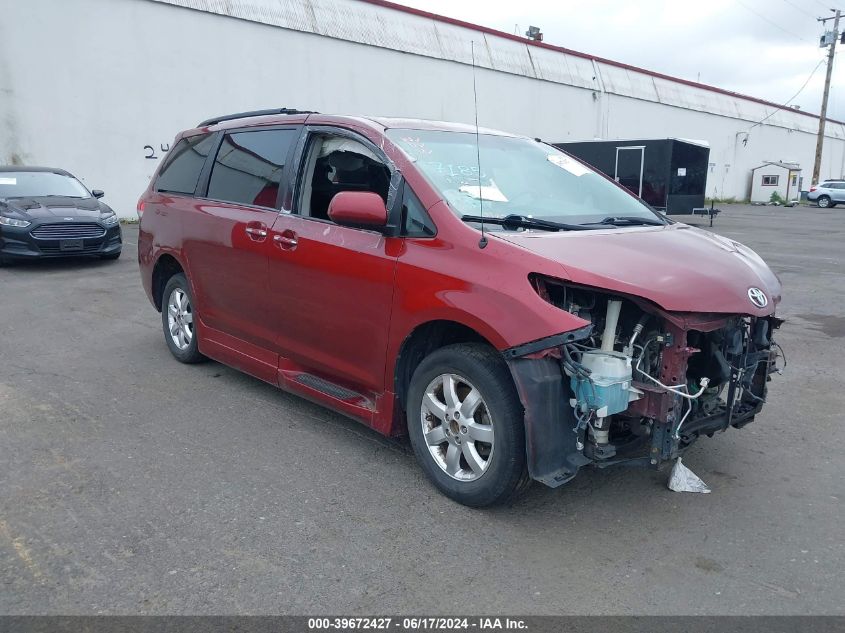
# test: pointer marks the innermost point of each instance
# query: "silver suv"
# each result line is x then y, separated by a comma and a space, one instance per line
828, 194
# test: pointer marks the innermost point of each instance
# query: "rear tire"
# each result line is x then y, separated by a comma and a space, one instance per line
824, 202
465, 423
178, 320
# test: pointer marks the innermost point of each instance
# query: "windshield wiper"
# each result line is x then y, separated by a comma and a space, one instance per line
627, 220
513, 222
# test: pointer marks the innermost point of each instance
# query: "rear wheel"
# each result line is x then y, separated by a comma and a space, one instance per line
465, 424
824, 202
178, 320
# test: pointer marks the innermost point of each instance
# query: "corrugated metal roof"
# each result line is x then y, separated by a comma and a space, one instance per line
388, 25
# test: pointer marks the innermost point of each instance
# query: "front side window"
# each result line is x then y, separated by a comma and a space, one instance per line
514, 176
335, 164
32, 184
185, 161
249, 167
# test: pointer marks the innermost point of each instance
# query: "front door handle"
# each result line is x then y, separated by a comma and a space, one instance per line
256, 231
286, 240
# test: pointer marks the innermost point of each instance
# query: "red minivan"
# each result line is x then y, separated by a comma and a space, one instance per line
515, 313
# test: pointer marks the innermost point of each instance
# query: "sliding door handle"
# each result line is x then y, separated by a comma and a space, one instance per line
286, 240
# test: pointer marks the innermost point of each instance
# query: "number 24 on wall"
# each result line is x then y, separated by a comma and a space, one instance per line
151, 151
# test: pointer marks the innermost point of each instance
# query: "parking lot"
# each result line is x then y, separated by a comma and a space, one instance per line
134, 484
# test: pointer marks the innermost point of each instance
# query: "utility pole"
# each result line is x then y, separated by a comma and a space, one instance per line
817, 165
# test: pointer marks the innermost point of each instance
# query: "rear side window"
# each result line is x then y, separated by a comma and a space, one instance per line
185, 161
249, 167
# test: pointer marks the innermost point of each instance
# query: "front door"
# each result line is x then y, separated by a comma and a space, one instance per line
629, 168
333, 285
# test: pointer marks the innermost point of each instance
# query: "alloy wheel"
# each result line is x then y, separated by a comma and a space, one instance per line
180, 319
457, 427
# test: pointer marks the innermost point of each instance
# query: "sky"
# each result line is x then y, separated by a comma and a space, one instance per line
762, 48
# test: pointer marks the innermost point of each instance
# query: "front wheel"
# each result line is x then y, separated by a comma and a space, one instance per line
823, 202
178, 320
465, 423
111, 256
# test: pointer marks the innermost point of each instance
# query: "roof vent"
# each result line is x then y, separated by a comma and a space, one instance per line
534, 33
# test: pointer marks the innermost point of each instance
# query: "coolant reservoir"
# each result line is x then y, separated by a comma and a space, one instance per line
609, 392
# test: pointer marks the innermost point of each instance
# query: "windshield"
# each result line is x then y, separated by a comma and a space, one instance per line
518, 177
31, 184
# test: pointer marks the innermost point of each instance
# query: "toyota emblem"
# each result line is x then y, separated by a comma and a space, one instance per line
758, 297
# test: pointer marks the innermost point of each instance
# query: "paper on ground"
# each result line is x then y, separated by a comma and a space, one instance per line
682, 479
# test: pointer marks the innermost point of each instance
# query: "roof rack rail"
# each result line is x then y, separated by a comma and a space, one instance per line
244, 115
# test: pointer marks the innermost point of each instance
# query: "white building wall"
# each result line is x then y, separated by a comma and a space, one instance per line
87, 84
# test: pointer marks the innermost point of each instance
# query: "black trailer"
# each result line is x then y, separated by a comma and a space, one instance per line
668, 173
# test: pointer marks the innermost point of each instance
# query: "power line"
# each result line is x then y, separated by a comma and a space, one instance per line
796, 7
788, 101
765, 19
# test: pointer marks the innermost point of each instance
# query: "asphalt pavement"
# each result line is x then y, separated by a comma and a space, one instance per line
132, 484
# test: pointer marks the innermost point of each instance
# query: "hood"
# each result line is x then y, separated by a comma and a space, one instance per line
38, 208
678, 267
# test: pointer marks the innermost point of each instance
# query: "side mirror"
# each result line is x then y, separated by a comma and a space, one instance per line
358, 208
98, 193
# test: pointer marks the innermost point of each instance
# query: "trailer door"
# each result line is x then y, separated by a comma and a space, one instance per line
629, 168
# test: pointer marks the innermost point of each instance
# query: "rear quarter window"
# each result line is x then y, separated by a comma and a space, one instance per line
181, 172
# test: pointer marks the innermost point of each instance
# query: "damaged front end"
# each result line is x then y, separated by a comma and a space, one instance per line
637, 385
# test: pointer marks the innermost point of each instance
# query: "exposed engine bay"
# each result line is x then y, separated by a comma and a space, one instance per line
644, 384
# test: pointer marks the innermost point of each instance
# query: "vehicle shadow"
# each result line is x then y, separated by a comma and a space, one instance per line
621, 488
595, 495
55, 264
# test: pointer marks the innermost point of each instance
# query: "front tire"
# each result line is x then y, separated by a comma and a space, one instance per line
465, 423
178, 320
111, 256
824, 202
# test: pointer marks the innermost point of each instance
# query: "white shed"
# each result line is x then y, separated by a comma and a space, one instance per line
776, 177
